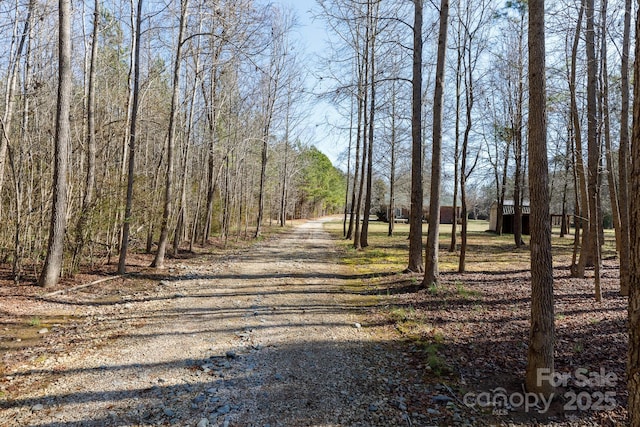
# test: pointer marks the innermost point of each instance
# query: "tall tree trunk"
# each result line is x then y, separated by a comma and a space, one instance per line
16, 164
55, 251
118, 219
469, 98
158, 261
263, 179
517, 188
542, 333
181, 226
593, 148
372, 18
212, 121
355, 214
432, 246
503, 190
604, 95
633, 358
623, 155
348, 183
285, 168
582, 210
272, 94
357, 244
517, 130
124, 245
456, 150
283, 193
417, 197
182, 209
9, 97
392, 167
89, 186
564, 224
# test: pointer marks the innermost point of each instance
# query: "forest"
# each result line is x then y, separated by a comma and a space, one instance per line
181, 128
162, 126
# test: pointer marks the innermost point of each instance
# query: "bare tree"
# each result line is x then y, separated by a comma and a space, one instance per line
460, 54
16, 153
10, 91
348, 186
623, 154
135, 58
542, 333
633, 358
417, 198
158, 261
605, 118
517, 129
372, 23
362, 133
181, 224
432, 246
593, 148
272, 91
582, 205
53, 262
89, 188
392, 163
471, 46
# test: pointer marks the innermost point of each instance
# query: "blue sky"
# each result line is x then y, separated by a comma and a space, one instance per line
313, 36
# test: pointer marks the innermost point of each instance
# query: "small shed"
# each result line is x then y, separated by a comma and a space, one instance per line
401, 214
508, 216
447, 215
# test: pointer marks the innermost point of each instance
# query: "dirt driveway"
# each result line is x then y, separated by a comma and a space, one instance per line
269, 336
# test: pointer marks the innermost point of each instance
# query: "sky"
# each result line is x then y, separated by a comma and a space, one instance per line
313, 36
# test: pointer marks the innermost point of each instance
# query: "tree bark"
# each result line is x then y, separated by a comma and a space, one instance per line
365, 129
613, 191
372, 23
348, 180
633, 358
89, 187
158, 261
355, 213
593, 148
469, 101
417, 198
456, 150
182, 209
623, 155
9, 97
16, 164
431, 252
124, 245
53, 262
517, 130
582, 210
392, 167
542, 330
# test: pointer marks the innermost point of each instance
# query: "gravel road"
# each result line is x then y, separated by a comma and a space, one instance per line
271, 336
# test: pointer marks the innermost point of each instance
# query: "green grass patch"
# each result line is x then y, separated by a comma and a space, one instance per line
486, 251
402, 314
436, 363
466, 293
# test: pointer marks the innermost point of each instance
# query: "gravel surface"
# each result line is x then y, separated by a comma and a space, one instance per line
271, 336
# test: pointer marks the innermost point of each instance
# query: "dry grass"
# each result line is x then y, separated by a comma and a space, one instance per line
470, 332
486, 251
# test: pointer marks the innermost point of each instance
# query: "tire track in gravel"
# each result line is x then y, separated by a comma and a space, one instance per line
270, 337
